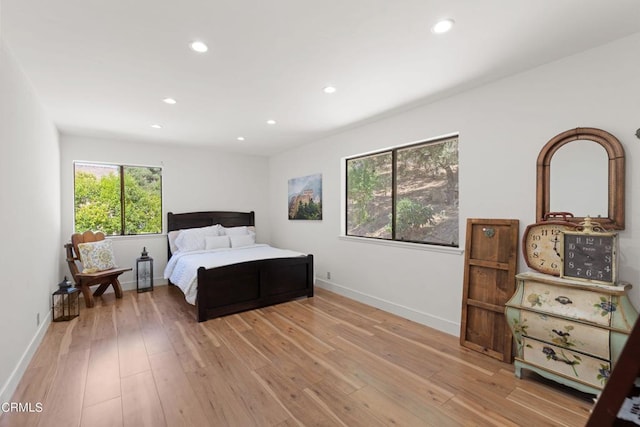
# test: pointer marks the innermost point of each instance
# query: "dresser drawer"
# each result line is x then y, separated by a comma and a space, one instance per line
579, 367
568, 302
566, 333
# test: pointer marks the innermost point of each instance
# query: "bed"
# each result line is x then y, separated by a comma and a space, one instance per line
277, 276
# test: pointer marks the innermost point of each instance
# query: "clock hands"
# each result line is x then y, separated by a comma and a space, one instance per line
583, 252
555, 241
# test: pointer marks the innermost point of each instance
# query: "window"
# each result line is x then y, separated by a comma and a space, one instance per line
407, 193
117, 199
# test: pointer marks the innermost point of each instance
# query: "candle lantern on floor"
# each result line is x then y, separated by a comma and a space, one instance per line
64, 302
144, 272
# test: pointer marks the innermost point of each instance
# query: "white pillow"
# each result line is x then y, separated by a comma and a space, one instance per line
238, 231
216, 242
235, 231
172, 236
193, 239
242, 240
96, 256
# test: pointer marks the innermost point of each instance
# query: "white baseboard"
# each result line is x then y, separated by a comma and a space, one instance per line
8, 388
131, 286
444, 325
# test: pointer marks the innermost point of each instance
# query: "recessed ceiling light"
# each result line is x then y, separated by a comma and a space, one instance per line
169, 101
199, 46
156, 126
271, 122
329, 89
442, 26
240, 138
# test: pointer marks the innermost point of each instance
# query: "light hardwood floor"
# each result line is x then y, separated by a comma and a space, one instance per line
144, 361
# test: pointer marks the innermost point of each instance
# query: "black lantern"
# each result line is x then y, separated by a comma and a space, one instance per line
64, 302
144, 272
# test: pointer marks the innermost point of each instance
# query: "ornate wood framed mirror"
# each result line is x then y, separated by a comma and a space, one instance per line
595, 182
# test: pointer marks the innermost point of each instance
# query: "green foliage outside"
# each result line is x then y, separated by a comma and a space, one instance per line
98, 204
432, 157
446, 154
362, 181
143, 200
410, 215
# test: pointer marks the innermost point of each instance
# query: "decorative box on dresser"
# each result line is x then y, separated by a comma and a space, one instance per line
567, 330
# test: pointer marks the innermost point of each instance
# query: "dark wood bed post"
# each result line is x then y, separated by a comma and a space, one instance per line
310, 275
201, 309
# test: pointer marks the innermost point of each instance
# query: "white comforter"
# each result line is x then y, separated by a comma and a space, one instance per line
182, 268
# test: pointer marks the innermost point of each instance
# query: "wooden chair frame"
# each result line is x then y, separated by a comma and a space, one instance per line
84, 281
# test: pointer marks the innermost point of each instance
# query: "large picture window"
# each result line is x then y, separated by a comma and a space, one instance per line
117, 199
407, 193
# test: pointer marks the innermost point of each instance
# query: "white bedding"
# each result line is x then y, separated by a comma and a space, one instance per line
182, 268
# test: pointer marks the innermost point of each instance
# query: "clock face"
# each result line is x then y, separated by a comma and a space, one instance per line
543, 246
590, 256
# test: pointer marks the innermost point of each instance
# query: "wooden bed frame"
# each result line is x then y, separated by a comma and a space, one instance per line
248, 285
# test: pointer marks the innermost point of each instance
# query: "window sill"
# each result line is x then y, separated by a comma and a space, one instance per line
405, 245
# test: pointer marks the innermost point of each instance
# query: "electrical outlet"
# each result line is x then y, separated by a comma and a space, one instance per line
37, 319
328, 275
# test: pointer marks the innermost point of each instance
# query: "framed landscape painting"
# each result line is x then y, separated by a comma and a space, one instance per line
305, 197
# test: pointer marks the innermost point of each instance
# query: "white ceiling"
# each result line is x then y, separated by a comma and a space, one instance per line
102, 67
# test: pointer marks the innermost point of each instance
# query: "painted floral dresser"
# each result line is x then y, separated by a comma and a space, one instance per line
567, 330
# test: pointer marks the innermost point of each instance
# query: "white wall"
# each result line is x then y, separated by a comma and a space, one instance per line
30, 215
193, 179
502, 128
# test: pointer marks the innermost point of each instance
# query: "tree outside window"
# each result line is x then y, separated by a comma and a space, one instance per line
407, 193
117, 199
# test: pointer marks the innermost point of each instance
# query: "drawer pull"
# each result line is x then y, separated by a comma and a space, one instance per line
560, 333
564, 300
552, 355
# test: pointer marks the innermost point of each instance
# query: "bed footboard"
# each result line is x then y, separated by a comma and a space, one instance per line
254, 284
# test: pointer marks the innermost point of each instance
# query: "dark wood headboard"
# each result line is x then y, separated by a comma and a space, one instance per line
181, 221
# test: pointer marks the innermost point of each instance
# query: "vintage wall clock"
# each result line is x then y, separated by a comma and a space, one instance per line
542, 244
590, 253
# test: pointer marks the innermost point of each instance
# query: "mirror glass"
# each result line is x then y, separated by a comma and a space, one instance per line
579, 179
